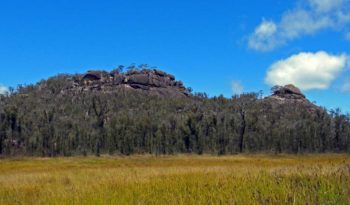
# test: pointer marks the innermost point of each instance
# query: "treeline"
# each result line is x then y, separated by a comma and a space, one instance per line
38, 120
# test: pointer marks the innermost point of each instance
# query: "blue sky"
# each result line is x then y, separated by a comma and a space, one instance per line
218, 47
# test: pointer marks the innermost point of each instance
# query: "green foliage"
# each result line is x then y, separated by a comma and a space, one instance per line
43, 120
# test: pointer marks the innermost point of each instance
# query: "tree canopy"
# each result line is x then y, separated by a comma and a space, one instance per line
40, 120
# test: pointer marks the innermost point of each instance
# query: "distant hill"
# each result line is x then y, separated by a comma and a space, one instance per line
148, 111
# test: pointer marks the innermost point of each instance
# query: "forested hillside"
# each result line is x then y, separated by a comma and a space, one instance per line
147, 111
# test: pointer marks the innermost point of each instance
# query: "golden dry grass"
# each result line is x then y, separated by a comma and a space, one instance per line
242, 179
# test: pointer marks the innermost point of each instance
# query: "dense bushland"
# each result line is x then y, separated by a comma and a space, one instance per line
40, 120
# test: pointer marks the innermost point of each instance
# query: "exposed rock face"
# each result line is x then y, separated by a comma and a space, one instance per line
288, 91
289, 96
146, 80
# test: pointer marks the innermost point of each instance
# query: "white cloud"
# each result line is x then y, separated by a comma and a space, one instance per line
343, 18
267, 28
326, 5
312, 17
263, 38
3, 90
347, 36
237, 87
346, 87
307, 70
301, 22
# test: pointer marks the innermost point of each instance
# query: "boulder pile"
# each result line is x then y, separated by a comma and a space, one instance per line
288, 91
290, 96
147, 80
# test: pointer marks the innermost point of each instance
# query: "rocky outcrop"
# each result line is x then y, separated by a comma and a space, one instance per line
289, 96
288, 91
151, 81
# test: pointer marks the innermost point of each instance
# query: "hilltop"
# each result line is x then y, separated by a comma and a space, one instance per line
149, 111
151, 81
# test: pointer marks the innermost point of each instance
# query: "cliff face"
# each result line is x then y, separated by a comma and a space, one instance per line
147, 81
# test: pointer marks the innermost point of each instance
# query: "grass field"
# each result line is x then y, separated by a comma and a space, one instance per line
241, 179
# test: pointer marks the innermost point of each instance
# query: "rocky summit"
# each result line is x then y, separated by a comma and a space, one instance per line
155, 82
289, 95
287, 92
151, 81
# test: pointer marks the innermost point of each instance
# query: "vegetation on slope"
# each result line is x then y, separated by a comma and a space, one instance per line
41, 120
